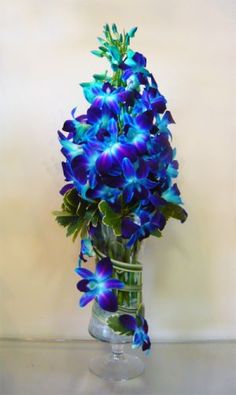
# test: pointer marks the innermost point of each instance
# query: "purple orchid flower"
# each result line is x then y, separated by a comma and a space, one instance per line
99, 285
139, 326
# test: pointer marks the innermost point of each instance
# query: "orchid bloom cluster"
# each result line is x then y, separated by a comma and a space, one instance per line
119, 168
119, 151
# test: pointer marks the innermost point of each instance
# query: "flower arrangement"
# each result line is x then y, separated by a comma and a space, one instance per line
119, 169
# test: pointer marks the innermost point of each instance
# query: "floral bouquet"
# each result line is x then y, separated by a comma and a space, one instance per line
119, 169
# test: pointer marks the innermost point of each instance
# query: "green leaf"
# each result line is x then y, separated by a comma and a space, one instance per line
110, 217
171, 210
76, 214
84, 231
72, 198
115, 324
141, 310
156, 233
66, 220
75, 235
139, 321
95, 219
62, 214
75, 225
80, 212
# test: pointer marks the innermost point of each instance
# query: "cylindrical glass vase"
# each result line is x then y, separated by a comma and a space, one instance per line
128, 269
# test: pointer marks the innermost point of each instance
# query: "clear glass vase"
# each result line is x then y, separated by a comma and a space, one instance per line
117, 366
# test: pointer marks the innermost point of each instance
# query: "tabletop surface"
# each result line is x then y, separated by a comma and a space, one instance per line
61, 367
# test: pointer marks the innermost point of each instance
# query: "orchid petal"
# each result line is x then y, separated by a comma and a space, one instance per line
128, 168
104, 269
66, 188
145, 120
113, 283
128, 193
128, 228
82, 285
146, 345
128, 321
172, 195
143, 169
86, 298
137, 339
108, 301
84, 273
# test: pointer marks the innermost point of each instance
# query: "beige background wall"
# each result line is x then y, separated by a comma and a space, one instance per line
189, 275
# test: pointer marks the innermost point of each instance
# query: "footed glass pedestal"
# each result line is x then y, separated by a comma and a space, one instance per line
116, 366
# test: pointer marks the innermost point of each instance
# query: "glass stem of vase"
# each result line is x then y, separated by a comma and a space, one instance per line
117, 351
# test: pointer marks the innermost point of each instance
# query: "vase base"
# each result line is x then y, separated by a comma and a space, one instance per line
116, 366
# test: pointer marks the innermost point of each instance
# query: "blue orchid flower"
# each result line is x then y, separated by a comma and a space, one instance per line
132, 82
99, 118
84, 166
142, 225
153, 100
86, 249
113, 151
136, 182
135, 63
138, 130
139, 327
69, 149
163, 122
103, 192
99, 285
91, 89
77, 127
160, 154
172, 195
73, 181
172, 168
103, 96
